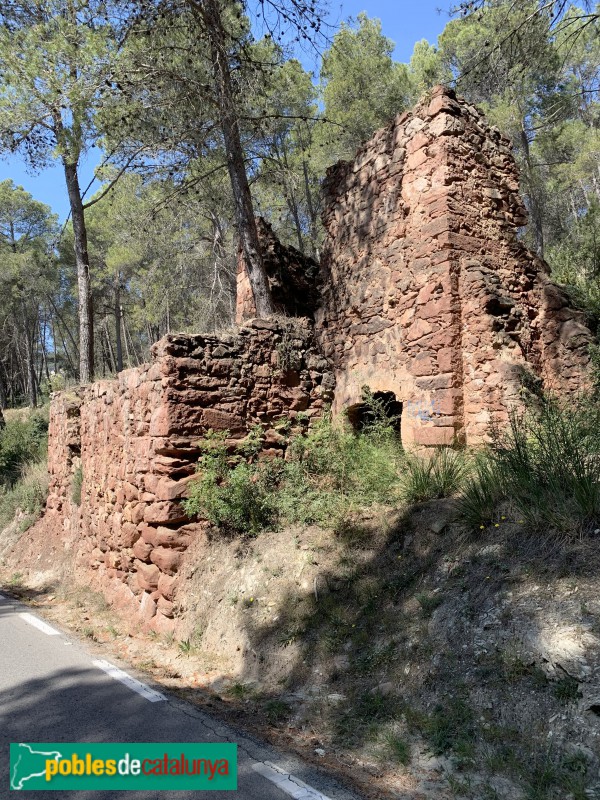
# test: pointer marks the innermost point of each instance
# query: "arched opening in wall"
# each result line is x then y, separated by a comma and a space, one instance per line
377, 407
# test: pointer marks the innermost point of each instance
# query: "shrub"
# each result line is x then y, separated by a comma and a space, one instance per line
329, 470
27, 495
549, 465
22, 441
546, 464
450, 726
481, 492
363, 466
230, 493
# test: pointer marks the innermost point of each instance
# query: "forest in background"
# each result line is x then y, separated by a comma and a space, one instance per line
185, 106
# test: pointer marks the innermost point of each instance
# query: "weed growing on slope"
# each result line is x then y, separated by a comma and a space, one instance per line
439, 474
546, 465
27, 495
22, 442
330, 470
23, 472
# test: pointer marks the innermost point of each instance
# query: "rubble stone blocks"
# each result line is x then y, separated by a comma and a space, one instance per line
425, 291
293, 278
136, 441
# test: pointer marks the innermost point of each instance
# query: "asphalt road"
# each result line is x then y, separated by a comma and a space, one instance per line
52, 690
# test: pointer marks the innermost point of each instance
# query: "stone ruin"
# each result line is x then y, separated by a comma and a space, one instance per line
425, 294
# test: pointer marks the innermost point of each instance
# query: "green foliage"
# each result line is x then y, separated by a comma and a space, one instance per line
439, 474
535, 74
27, 495
567, 690
276, 711
548, 463
480, 495
575, 260
398, 749
23, 470
329, 471
363, 88
426, 69
450, 726
29, 276
186, 647
429, 602
22, 441
545, 464
594, 352
230, 493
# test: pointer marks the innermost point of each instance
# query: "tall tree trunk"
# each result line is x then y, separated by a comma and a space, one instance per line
26, 337
29, 356
209, 12
311, 212
86, 317
2, 390
113, 363
291, 200
118, 316
124, 334
534, 206
43, 334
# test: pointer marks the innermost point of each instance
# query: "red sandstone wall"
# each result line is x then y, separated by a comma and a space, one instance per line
138, 439
293, 278
427, 291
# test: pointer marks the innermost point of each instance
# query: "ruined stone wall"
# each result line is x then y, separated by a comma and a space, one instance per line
136, 441
293, 278
427, 291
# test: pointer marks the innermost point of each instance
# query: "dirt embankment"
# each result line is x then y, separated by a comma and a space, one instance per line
418, 661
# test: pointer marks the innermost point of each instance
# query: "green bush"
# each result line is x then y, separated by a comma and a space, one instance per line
27, 495
546, 464
362, 466
481, 492
230, 493
329, 471
21, 442
549, 464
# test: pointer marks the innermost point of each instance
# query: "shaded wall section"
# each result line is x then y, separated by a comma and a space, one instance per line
427, 291
293, 278
135, 440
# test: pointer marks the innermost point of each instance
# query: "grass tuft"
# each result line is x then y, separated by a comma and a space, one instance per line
434, 475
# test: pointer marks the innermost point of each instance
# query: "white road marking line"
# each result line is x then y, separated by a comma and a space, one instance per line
289, 784
137, 686
40, 624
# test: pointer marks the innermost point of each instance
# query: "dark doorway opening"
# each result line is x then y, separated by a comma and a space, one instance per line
378, 407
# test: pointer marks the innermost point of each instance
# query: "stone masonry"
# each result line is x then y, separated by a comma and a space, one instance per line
427, 291
136, 442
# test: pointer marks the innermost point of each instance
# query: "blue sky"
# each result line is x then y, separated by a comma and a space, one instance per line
403, 21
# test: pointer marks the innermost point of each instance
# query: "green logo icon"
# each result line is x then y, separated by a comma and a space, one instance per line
152, 766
